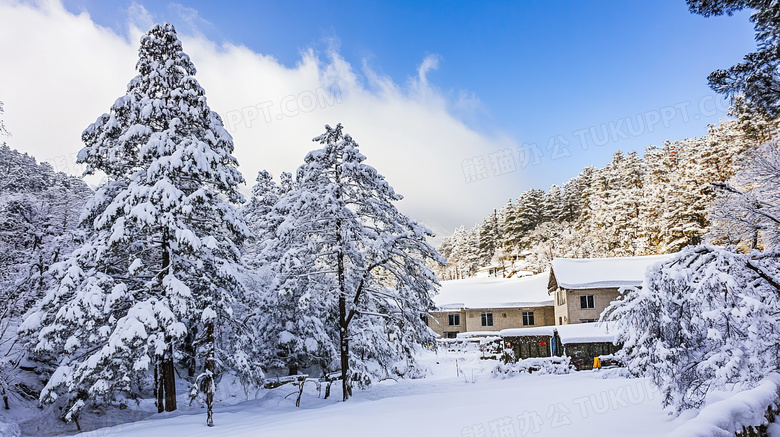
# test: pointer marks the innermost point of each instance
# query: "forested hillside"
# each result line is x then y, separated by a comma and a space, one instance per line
656, 203
39, 214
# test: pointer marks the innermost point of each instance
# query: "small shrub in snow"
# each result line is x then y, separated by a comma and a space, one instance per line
541, 366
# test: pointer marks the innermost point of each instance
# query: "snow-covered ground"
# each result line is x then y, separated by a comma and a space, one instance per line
473, 403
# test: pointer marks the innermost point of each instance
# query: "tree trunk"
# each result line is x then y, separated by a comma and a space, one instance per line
191, 351
210, 368
344, 348
343, 333
167, 371
159, 388
169, 378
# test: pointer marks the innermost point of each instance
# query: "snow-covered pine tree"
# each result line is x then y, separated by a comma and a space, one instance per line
489, 238
552, 204
365, 256
756, 77
296, 317
530, 213
614, 205
461, 253
265, 194
702, 321
570, 201
164, 254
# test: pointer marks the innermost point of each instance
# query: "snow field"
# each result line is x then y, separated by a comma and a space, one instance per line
471, 403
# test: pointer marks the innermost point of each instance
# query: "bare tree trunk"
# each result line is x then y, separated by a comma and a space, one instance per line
210, 368
190, 351
169, 378
343, 323
159, 388
167, 371
344, 349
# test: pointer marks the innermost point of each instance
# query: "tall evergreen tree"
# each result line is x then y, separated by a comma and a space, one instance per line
368, 260
163, 259
489, 237
552, 204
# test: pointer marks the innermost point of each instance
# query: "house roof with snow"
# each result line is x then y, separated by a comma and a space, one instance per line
542, 331
586, 332
579, 274
594, 332
477, 334
472, 293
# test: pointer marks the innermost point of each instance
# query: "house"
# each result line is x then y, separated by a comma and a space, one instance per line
583, 288
581, 342
585, 341
491, 304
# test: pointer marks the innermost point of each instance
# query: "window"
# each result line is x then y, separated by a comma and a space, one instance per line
487, 319
561, 297
560, 320
451, 334
586, 302
454, 319
528, 318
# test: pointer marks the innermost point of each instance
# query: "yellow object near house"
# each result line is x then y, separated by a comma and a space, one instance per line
596, 363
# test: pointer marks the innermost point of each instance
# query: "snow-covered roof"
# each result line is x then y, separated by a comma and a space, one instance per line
520, 332
529, 291
575, 333
577, 274
474, 334
586, 333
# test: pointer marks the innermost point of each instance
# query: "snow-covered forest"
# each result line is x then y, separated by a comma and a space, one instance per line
161, 300
166, 275
657, 203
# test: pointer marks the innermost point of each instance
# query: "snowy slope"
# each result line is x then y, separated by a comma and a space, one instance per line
530, 291
576, 274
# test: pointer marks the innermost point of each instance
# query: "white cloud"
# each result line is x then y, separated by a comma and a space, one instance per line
61, 71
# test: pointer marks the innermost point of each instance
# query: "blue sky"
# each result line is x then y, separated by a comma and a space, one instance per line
538, 69
430, 79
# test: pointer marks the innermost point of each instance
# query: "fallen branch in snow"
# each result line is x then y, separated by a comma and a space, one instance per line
280, 381
300, 381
